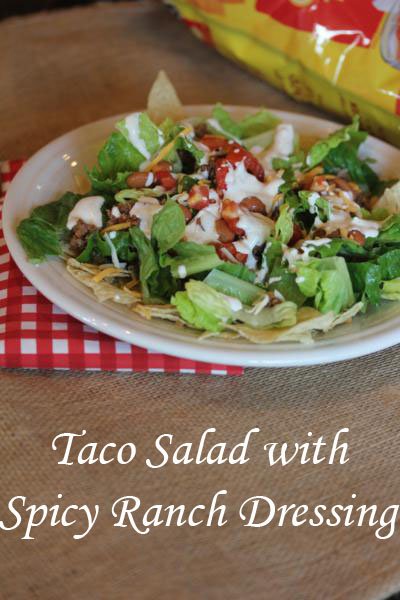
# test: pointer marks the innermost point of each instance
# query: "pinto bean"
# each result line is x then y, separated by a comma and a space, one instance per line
163, 165
137, 179
225, 234
357, 236
253, 204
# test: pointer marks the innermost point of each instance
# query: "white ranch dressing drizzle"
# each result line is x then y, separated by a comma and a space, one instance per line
87, 210
317, 242
234, 303
240, 184
132, 123
202, 228
145, 209
283, 144
256, 230
366, 227
312, 203
182, 272
341, 219
114, 255
115, 212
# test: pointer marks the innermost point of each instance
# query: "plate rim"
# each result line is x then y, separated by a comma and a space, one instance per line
374, 338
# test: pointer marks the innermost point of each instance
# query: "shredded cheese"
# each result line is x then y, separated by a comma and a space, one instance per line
116, 227
131, 284
109, 272
167, 149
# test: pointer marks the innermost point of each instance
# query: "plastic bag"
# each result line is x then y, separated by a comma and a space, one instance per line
340, 55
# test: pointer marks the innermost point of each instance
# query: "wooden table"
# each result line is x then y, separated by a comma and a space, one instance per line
67, 68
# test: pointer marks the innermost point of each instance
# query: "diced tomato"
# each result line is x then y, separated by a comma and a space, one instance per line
230, 209
232, 250
241, 257
166, 179
235, 153
199, 197
221, 171
230, 214
215, 142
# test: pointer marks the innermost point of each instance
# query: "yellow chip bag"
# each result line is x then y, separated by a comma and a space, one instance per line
341, 55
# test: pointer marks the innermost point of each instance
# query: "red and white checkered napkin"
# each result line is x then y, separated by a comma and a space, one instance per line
34, 333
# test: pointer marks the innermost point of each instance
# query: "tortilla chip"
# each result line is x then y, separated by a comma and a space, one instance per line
258, 336
163, 100
309, 320
347, 315
158, 311
102, 290
226, 335
302, 331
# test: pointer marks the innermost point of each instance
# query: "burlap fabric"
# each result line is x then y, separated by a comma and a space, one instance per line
61, 70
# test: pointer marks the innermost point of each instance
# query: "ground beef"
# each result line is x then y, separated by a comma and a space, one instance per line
200, 130
124, 209
79, 236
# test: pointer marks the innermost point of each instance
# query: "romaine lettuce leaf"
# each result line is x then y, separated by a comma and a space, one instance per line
167, 127
192, 258
389, 264
39, 239
118, 155
56, 213
284, 224
258, 123
283, 280
149, 268
168, 226
343, 156
331, 283
97, 247
223, 282
116, 160
183, 143
273, 254
140, 131
261, 140
315, 204
226, 122
366, 278
107, 185
339, 247
285, 163
194, 315
320, 150
307, 279
250, 126
133, 194
42, 233
390, 230
203, 307
238, 270
391, 289
280, 315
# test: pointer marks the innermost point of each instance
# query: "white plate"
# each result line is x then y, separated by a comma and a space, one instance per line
53, 170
